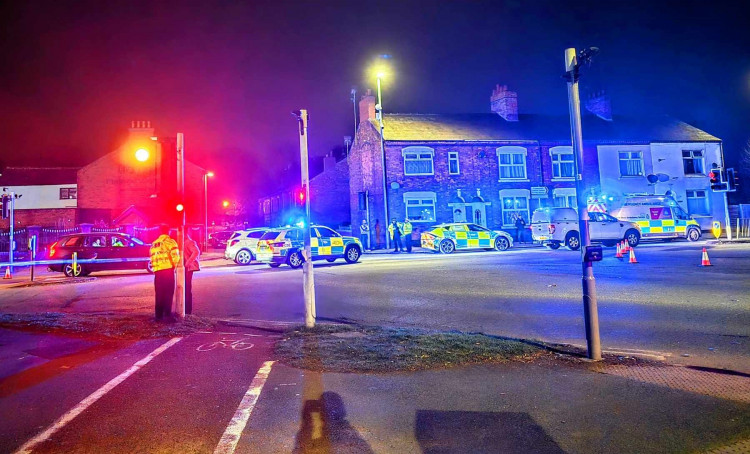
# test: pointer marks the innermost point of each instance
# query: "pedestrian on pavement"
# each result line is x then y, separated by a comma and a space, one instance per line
520, 227
165, 255
378, 233
192, 253
364, 234
407, 228
394, 230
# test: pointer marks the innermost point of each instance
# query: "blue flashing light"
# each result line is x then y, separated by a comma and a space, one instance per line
300, 224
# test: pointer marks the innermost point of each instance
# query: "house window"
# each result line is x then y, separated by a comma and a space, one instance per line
564, 197
68, 193
418, 160
420, 206
453, 168
692, 161
512, 163
697, 202
631, 163
563, 163
514, 202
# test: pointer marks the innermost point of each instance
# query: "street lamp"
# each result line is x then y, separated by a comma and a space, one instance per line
142, 155
380, 72
205, 209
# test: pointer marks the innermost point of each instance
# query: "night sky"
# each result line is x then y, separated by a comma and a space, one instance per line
227, 74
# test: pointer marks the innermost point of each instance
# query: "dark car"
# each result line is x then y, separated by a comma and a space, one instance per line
99, 252
219, 239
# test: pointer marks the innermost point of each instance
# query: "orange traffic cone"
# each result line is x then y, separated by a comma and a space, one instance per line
625, 247
632, 256
619, 251
704, 259
7, 274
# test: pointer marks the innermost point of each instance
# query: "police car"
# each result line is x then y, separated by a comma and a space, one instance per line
285, 245
242, 246
446, 238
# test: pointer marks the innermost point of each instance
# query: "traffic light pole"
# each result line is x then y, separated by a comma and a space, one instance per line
308, 280
11, 249
590, 310
180, 269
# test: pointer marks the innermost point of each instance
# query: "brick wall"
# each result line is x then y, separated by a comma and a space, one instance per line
56, 217
329, 196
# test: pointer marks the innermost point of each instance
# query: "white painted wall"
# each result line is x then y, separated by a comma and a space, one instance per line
42, 196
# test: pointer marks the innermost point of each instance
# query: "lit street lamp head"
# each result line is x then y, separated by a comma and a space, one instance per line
209, 174
142, 155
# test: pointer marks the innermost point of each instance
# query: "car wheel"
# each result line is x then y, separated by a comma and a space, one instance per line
149, 267
553, 246
274, 265
693, 234
447, 247
71, 271
632, 237
243, 257
502, 243
330, 260
295, 259
572, 241
352, 254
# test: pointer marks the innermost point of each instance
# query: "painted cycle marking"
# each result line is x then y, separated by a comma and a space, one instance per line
234, 344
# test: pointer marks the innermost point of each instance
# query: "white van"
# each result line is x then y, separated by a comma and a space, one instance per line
659, 217
556, 226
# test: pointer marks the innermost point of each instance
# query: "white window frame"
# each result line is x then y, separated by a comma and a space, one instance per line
515, 194
416, 154
453, 156
65, 193
628, 159
511, 150
555, 153
566, 194
425, 199
702, 159
688, 197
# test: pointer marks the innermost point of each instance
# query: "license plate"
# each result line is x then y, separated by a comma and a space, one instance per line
542, 238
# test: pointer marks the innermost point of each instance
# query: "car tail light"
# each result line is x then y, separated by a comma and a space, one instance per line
551, 228
52, 249
233, 242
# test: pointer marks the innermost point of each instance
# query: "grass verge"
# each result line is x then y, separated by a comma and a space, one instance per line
343, 348
106, 325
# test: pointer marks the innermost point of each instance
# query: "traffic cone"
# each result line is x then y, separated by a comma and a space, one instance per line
7, 274
625, 247
619, 251
704, 259
632, 256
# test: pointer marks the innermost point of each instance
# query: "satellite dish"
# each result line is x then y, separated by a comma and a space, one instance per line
663, 177
652, 178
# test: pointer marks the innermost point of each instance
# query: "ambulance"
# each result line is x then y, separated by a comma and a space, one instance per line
658, 217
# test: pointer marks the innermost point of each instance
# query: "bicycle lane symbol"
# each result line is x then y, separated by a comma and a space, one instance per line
233, 341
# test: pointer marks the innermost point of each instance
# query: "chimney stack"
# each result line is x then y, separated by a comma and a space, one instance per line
504, 103
367, 107
598, 103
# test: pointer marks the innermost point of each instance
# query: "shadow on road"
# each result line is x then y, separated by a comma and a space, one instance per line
448, 432
325, 429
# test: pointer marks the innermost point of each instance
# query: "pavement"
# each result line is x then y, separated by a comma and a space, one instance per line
200, 394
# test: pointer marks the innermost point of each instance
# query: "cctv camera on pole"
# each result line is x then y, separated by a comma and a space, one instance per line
307, 267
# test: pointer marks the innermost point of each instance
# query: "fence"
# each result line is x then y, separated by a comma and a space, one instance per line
743, 228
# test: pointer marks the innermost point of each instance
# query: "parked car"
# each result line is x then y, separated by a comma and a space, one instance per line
284, 246
554, 227
99, 252
242, 246
447, 238
659, 217
219, 240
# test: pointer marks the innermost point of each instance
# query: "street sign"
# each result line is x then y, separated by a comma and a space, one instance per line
539, 192
716, 229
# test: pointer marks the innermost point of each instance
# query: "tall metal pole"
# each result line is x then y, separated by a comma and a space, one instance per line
205, 212
180, 287
382, 156
590, 311
307, 267
12, 229
354, 104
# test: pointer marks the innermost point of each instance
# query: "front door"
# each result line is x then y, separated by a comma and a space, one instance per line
459, 213
479, 214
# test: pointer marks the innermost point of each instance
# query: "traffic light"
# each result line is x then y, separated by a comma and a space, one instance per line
180, 207
301, 195
6, 206
718, 182
733, 180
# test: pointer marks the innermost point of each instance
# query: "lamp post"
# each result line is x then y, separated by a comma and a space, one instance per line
379, 114
205, 209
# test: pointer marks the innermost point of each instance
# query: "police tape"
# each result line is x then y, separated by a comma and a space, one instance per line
63, 262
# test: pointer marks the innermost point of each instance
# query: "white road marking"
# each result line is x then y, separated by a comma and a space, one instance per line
231, 437
96, 395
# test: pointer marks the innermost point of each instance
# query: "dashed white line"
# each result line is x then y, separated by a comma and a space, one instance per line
231, 437
96, 395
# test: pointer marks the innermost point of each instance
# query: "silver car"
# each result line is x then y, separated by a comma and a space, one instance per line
242, 246
554, 227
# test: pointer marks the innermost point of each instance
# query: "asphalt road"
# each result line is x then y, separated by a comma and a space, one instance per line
666, 305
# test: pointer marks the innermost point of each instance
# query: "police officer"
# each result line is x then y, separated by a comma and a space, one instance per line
406, 227
165, 255
364, 234
394, 229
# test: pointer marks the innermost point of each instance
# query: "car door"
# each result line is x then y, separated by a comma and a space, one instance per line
479, 237
597, 226
124, 249
96, 250
323, 235
461, 235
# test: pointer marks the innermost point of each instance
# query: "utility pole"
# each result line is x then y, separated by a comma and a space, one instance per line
11, 248
308, 280
379, 110
590, 311
180, 271
354, 104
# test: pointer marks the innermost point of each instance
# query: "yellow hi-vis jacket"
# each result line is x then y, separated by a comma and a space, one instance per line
406, 228
165, 253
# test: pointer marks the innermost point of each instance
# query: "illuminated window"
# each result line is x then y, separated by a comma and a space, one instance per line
453, 168
418, 160
631, 163
512, 163
692, 161
697, 202
420, 206
514, 202
563, 163
68, 193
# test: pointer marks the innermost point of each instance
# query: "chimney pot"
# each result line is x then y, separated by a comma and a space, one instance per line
599, 104
504, 103
367, 107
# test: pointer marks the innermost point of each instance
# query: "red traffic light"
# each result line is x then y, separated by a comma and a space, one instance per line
301, 194
179, 207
